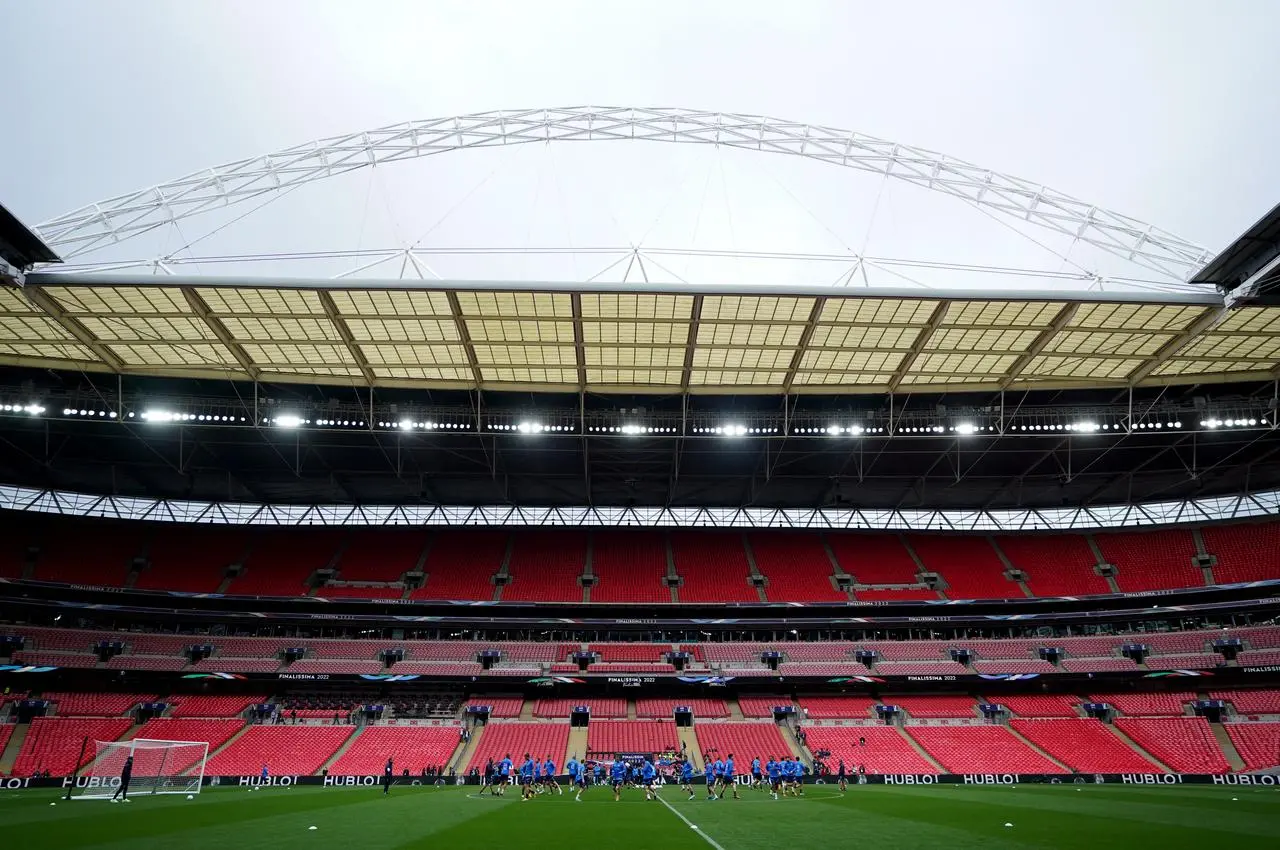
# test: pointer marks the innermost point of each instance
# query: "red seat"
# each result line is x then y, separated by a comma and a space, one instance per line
515, 739
629, 567
1084, 744
980, 749
936, 706
796, 565
744, 741
545, 566
885, 751
412, 747
1185, 744
1038, 705
713, 566
631, 736
54, 744
1257, 743
285, 750
461, 564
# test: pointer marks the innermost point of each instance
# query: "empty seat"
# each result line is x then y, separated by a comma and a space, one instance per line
1185, 744
54, 743
1257, 743
1084, 744
885, 750
629, 567
713, 566
796, 565
515, 739
936, 706
632, 736
412, 747
285, 750
744, 741
545, 566
980, 749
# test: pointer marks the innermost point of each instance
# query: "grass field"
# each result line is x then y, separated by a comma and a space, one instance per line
954, 817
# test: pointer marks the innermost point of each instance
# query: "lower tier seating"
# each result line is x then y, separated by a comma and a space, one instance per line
1257, 743
54, 744
631, 736
980, 749
1084, 744
230, 705
744, 741
1265, 701
1185, 744
285, 750
663, 708
836, 708
516, 739
559, 709
1147, 705
412, 747
761, 706
936, 706
885, 750
499, 706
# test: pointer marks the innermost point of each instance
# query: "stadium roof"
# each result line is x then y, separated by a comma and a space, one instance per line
648, 338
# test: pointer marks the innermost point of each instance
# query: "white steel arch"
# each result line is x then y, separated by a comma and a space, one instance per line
120, 218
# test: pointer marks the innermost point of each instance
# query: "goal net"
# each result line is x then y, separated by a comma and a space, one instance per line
159, 767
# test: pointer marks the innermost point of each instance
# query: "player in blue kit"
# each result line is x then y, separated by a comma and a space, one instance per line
757, 777
549, 776
775, 777
504, 776
728, 778
526, 778
536, 784
686, 777
618, 775
709, 772
577, 777
649, 778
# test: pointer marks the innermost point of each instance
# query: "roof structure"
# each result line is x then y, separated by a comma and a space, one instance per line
645, 339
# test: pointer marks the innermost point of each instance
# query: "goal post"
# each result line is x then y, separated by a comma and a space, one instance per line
159, 767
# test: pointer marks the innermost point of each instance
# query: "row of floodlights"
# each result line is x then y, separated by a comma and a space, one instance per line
1231, 423
86, 412
733, 430
409, 425
168, 416
630, 429
530, 428
32, 409
837, 430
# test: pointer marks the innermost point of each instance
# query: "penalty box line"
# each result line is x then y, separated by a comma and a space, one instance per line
690, 824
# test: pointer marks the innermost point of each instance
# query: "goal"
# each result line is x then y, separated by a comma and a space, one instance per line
159, 767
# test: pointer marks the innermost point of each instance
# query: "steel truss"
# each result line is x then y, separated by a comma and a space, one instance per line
117, 219
1236, 507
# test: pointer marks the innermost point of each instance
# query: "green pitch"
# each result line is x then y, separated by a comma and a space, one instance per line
883, 817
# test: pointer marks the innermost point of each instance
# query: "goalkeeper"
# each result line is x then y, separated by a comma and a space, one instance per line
126, 773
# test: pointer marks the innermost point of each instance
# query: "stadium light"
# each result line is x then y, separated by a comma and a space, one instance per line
159, 416
966, 428
288, 420
32, 409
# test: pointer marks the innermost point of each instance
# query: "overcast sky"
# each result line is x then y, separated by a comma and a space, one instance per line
1167, 111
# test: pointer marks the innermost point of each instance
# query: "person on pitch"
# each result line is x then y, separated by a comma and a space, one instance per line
387, 774
126, 773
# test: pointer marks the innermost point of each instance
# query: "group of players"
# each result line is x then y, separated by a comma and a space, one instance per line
781, 777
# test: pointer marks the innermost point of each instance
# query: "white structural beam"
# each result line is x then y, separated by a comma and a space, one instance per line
120, 218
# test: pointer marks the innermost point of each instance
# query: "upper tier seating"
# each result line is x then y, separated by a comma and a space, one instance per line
836, 708
936, 706
56, 659
545, 566
1098, 665
629, 566
64, 557
921, 668
713, 566
285, 750
874, 558
1056, 565
703, 708
745, 741
1257, 743
193, 559
1147, 705
1038, 705
499, 706
758, 706
980, 749
632, 736
461, 564
54, 743
1084, 744
1185, 744
230, 705
886, 750
383, 554
82, 704
796, 565
970, 565
900, 594
279, 562
634, 652
1152, 560
559, 709
516, 739
1261, 701
1245, 552
1014, 667
413, 748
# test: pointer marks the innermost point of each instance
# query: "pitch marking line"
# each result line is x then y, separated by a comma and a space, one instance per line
690, 824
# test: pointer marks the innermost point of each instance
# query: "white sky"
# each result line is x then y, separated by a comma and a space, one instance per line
1167, 111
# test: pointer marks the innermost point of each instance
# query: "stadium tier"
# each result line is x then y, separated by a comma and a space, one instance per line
1083, 744
980, 749
499, 706
414, 748
713, 567
876, 749
1184, 744
80, 704
213, 732
502, 738
213, 706
758, 706
937, 706
796, 565
55, 744
631, 566
1039, 705
744, 741
1257, 743
285, 750
1260, 701
836, 707
664, 708
1147, 705
559, 709
461, 565
545, 566
631, 736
